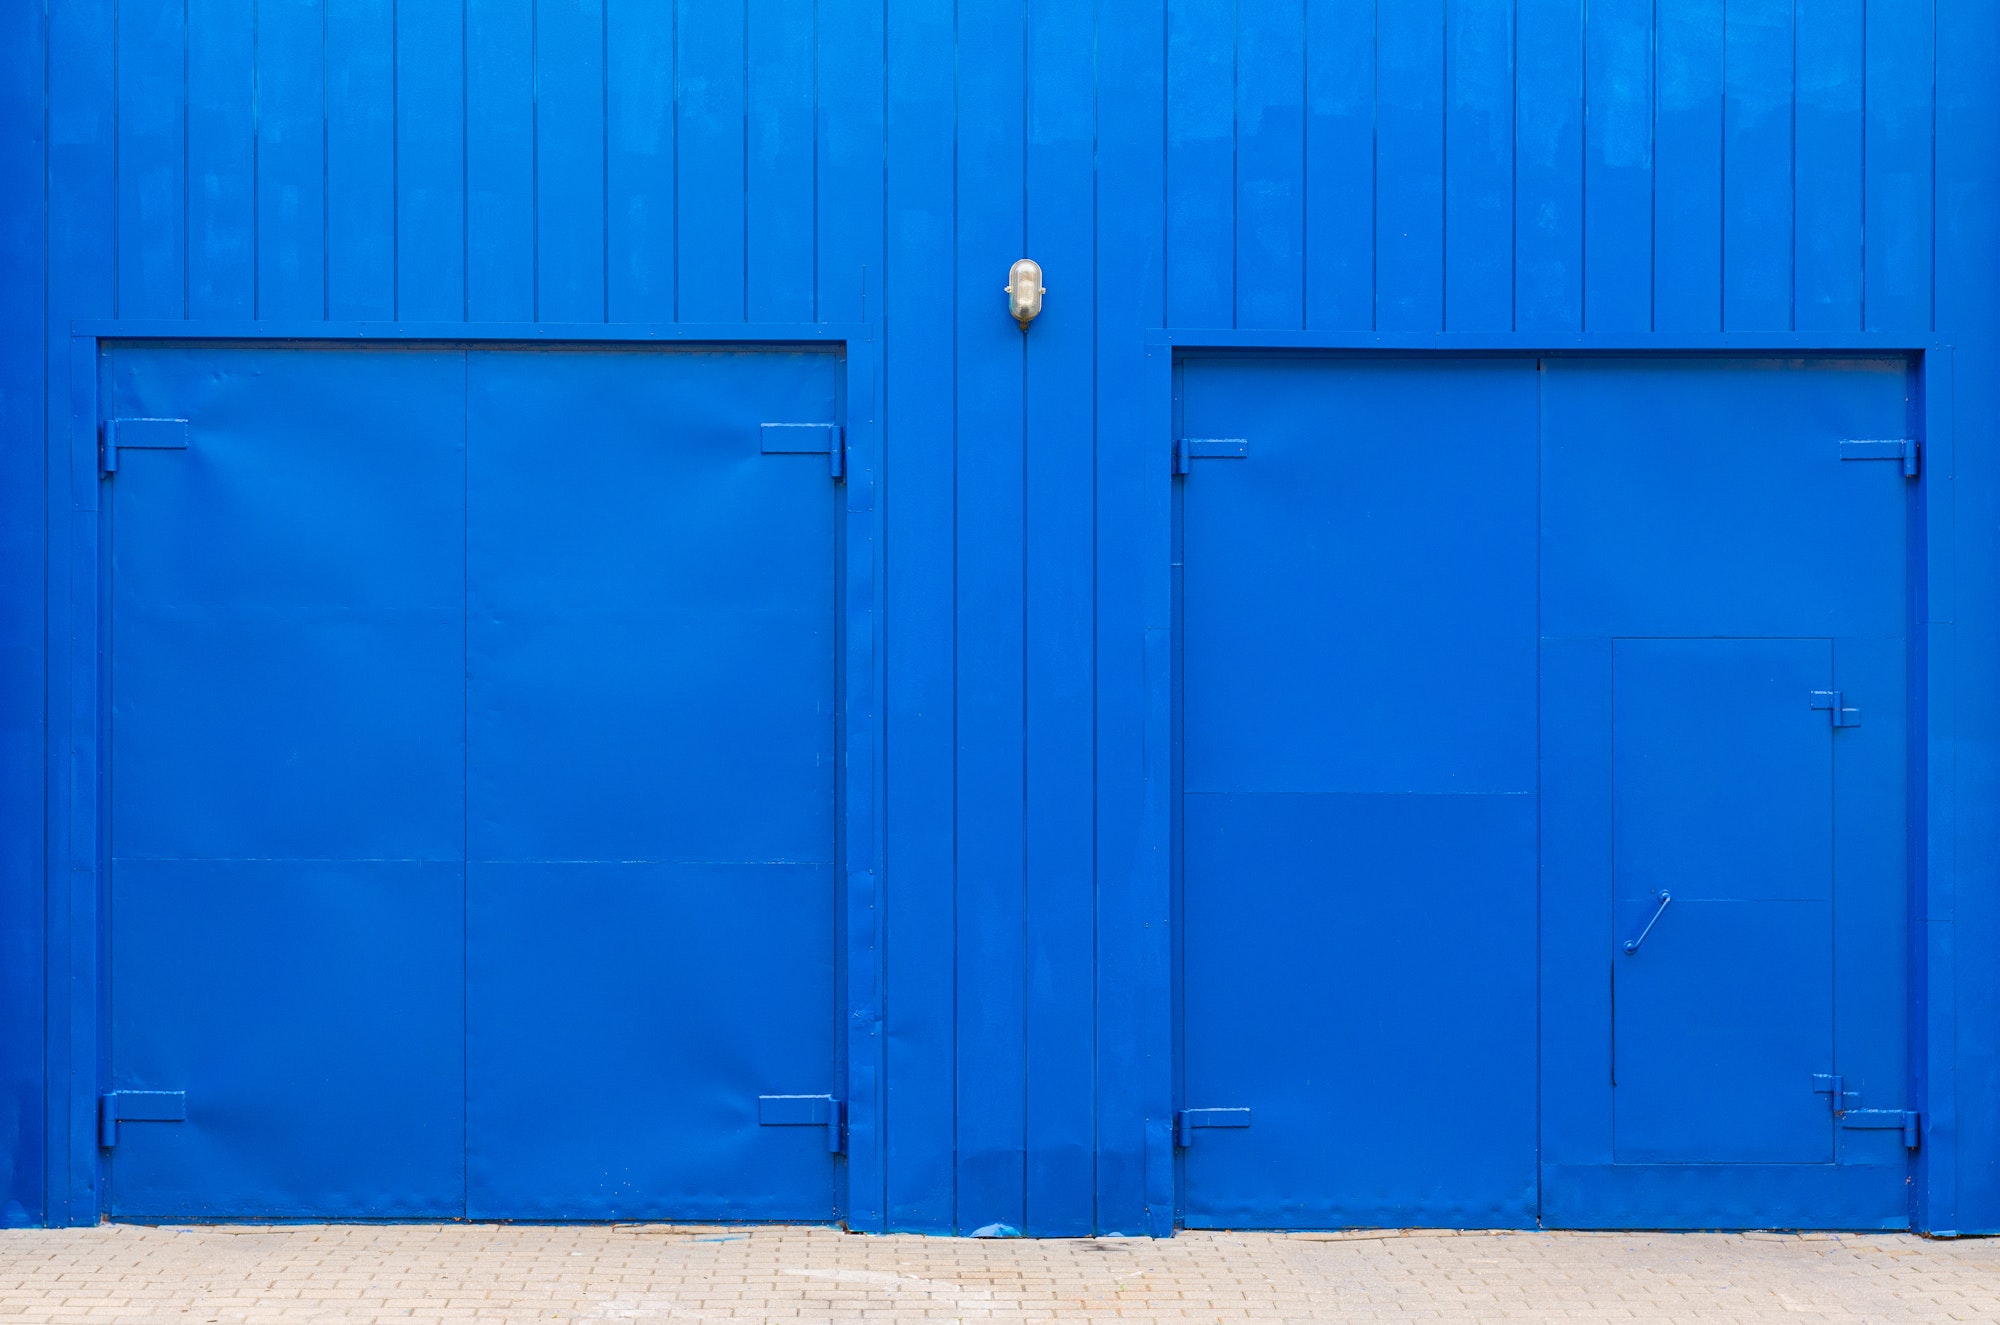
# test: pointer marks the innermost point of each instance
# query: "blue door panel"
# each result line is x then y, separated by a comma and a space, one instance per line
1722, 771
625, 1019
1724, 721
650, 643
556, 615
1724, 1017
1687, 496
313, 1013
1724, 1196
1359, 975
1871, 819
1376, 540
286, 769
1358, 767
651, 773
286, 617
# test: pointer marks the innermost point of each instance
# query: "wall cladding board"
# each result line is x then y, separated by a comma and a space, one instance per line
1537, 172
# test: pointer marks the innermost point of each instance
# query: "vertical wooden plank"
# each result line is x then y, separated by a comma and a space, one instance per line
639, 159
848, 167
291, 160
1409, 167
23, 529
1060, 480
1958, 1167
1479, 165
1618, 166
709, 162
778, 199
1134, 1013
1270, 164
1201, 163
992, 1059
1340, 165
82, 255
1548, 199
569, 160
221, 158
430, 160
361, 159
500, 160
152, 190
1757, 167
1901, 74
849, 75
1687, 169
920, 358
1827, 221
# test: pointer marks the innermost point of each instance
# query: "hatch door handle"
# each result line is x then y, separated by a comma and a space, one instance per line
1632, 945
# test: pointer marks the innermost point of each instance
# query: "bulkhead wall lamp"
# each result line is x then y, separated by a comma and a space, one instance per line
1024, 291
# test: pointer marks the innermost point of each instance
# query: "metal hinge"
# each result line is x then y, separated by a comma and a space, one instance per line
807, 1111
137, 1106
1187, 450
1831, 701
827, 439
1903, 449
138, 434
1847, 1111
1188, 1119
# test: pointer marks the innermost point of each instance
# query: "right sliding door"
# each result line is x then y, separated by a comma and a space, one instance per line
1724, 775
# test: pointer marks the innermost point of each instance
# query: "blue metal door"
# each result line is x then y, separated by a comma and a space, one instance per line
1357, 635
1724, 728
286, 784
473, 783
650, 727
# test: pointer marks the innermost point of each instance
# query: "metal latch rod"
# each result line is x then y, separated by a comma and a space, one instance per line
1632, 945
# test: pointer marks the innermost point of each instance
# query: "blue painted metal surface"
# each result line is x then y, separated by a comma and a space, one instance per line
1003, 1013
1357, 824
483, 735
1710, 570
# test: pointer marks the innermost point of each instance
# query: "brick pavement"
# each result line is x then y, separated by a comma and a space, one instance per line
440, 1273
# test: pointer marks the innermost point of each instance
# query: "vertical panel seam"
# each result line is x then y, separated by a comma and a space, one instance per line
256, 158
117, 183
957, 599
604, 159
187, 187
395, 160
1653, 181
535, 160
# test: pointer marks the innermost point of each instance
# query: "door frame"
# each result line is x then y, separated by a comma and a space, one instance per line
76, 776
1138, 762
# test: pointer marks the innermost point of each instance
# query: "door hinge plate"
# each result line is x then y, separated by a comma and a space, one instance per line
1904, 450
1848, 1112
1188, 1119
827, 439
139, 434
807, 1111
137, 1106
1187, 450
1835, 704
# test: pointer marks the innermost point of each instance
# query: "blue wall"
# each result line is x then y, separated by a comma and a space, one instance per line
1401, 168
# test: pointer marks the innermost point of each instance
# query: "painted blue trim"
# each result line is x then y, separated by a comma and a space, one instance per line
1518, 342
722, 333
1934, 721
77, 1049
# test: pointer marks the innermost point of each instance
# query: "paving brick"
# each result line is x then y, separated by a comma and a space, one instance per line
417, 1274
